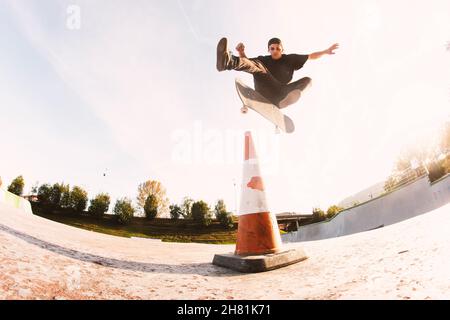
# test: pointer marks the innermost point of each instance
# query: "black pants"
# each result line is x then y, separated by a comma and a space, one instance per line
265, 83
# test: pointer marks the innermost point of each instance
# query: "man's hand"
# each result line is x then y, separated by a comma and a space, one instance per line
330, 50
240, 49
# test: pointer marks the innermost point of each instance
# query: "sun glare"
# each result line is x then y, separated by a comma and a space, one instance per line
416, 113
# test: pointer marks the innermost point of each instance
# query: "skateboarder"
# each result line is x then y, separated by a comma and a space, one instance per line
272, 74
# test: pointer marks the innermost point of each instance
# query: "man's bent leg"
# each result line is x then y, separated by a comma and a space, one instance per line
292, 92
253, 66
301, 84
227, 61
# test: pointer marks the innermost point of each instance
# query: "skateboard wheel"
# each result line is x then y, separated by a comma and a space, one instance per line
244, 109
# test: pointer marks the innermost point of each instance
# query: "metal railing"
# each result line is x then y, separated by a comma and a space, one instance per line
404, 177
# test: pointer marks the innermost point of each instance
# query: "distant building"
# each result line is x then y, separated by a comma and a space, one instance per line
290, 221
31, 198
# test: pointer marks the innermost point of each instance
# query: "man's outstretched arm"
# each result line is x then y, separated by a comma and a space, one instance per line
319, 54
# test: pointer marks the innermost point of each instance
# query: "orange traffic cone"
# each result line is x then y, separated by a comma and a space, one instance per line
258, 245
257, 229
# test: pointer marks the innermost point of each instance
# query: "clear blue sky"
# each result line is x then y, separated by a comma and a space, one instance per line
134, 93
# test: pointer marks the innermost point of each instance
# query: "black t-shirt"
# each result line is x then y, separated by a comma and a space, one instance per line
283, 68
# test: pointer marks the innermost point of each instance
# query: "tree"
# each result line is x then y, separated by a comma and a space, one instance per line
78, 199
446, 164
44, 193
56, 193
175, 211
65, 197
151, 207
201, 213
124, 211
34, 188
219, 208
225, 218
445, 139
186, 207
99, 205
153, 187
16, 186
403, 162
332, 211
417, 154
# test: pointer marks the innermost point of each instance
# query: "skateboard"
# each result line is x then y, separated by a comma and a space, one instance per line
255, 101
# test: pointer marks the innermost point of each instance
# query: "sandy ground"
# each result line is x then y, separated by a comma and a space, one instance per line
42, 259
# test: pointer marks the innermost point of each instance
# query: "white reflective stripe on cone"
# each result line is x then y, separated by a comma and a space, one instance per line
253, 197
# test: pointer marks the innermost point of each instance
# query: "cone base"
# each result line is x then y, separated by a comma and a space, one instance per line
260, 263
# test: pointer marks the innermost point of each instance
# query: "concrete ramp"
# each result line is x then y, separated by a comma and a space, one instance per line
43, 259
412, 200
15, 201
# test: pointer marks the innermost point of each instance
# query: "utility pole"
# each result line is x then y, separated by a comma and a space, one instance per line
235, 197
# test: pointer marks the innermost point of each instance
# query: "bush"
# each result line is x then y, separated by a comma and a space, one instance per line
332, 211
78, 199
175, 211
151, 207
124, 211
16, 186
446, 164
224, 217
99, 205
201, 214
226, 220
436, 170
318, 215
44, 193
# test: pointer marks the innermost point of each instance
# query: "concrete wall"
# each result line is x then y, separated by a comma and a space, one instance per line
15, 201
411, 200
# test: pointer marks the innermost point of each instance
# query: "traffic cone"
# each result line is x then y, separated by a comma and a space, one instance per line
258, 245
258, 231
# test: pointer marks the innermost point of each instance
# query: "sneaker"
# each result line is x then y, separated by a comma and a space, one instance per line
223, 56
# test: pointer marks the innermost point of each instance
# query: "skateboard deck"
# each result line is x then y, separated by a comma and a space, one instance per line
255, 101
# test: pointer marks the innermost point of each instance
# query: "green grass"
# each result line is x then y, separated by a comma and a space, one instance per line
165, 229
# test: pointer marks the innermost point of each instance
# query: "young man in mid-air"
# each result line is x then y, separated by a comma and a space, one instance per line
272, 74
